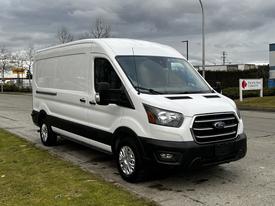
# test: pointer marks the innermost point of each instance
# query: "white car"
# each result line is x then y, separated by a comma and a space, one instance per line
141, 101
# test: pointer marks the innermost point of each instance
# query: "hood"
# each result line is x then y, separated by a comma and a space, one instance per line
191, 104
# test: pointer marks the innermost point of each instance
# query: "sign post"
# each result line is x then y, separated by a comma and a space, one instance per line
250, 84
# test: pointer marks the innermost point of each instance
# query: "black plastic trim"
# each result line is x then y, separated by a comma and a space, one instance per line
46, 93
190, 153
179, 97
35, 115
211, 96
82, 130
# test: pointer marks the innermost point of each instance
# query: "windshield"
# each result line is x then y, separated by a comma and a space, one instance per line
162, 75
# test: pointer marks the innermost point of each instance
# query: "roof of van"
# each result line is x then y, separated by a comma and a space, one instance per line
121, 46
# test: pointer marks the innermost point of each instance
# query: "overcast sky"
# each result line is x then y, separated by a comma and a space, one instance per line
242, 28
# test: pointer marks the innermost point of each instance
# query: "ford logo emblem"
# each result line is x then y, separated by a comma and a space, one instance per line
219, 125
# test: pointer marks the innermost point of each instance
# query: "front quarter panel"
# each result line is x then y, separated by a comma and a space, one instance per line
137, 121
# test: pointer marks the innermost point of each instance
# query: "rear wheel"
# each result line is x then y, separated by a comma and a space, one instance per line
48, 137
130, 164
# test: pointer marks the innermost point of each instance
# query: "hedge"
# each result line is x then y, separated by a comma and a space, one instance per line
14, 88
233, 92
231, 78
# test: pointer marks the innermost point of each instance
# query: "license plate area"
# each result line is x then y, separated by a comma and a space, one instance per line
224, 149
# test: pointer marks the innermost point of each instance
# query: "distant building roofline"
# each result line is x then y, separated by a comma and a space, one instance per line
219, 65
272, 47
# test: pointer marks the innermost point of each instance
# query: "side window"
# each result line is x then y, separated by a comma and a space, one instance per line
104, 72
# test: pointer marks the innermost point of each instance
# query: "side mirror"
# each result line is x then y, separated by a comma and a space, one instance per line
218, 87
102, 97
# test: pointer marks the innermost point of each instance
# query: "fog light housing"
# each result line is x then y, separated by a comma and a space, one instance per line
167, 156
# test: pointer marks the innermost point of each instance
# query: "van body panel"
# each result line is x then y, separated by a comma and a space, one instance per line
139, 47
64, 87
197, 104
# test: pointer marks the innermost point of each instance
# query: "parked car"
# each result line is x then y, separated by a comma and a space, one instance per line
143, 102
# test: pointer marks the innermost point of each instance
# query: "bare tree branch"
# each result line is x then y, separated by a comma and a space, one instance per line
29, 54
99, 30
63, 35
4, 61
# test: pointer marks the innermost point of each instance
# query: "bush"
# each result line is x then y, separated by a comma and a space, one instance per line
233, 92
14, 88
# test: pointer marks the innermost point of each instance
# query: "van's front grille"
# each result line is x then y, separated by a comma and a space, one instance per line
215, 127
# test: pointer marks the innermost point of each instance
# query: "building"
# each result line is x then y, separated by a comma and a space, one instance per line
15, 75
271, 82
228, 67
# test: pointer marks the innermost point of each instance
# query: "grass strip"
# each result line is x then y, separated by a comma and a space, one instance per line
31, 176
257, 103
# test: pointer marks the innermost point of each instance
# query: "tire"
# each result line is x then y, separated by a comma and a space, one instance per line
47, 136
129, 161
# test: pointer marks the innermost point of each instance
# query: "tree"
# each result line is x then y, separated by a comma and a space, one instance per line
29, 53
99, 30
4, 61
64, 36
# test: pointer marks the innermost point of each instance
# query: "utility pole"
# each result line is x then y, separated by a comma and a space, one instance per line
223, 57
203, 40
186, 41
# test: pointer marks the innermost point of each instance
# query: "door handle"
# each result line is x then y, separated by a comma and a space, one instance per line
92, 103
82, 100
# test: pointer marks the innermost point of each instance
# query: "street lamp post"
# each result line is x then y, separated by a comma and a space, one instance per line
203, 41
186, 41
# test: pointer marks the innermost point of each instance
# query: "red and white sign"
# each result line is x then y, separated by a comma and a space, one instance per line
251, 84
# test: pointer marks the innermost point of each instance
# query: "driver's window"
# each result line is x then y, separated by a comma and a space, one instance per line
104, 72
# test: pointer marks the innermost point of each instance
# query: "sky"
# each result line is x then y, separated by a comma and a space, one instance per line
243, 29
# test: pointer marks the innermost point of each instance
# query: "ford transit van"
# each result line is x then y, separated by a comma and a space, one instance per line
143, 102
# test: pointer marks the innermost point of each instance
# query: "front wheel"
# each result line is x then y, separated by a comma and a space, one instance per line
47, 136
129, 161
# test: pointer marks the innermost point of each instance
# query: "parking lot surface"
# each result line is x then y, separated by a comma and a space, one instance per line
250, 181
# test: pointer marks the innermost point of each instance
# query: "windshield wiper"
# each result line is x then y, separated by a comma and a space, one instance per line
149, 90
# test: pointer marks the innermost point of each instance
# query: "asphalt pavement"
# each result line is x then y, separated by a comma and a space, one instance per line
250, 181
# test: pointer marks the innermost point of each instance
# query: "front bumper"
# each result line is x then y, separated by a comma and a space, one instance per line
192, 154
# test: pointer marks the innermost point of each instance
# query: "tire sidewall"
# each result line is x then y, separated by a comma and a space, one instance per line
134, 177
51, 138
42, 140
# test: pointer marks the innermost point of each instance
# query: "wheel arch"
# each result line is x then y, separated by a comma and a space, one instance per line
41, 115
123, 133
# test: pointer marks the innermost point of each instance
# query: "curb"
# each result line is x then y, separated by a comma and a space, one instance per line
259, 109
17, 93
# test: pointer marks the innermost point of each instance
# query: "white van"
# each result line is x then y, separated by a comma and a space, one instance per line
141, 101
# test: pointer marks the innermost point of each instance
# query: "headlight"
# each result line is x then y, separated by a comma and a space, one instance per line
238, 113
163, 117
